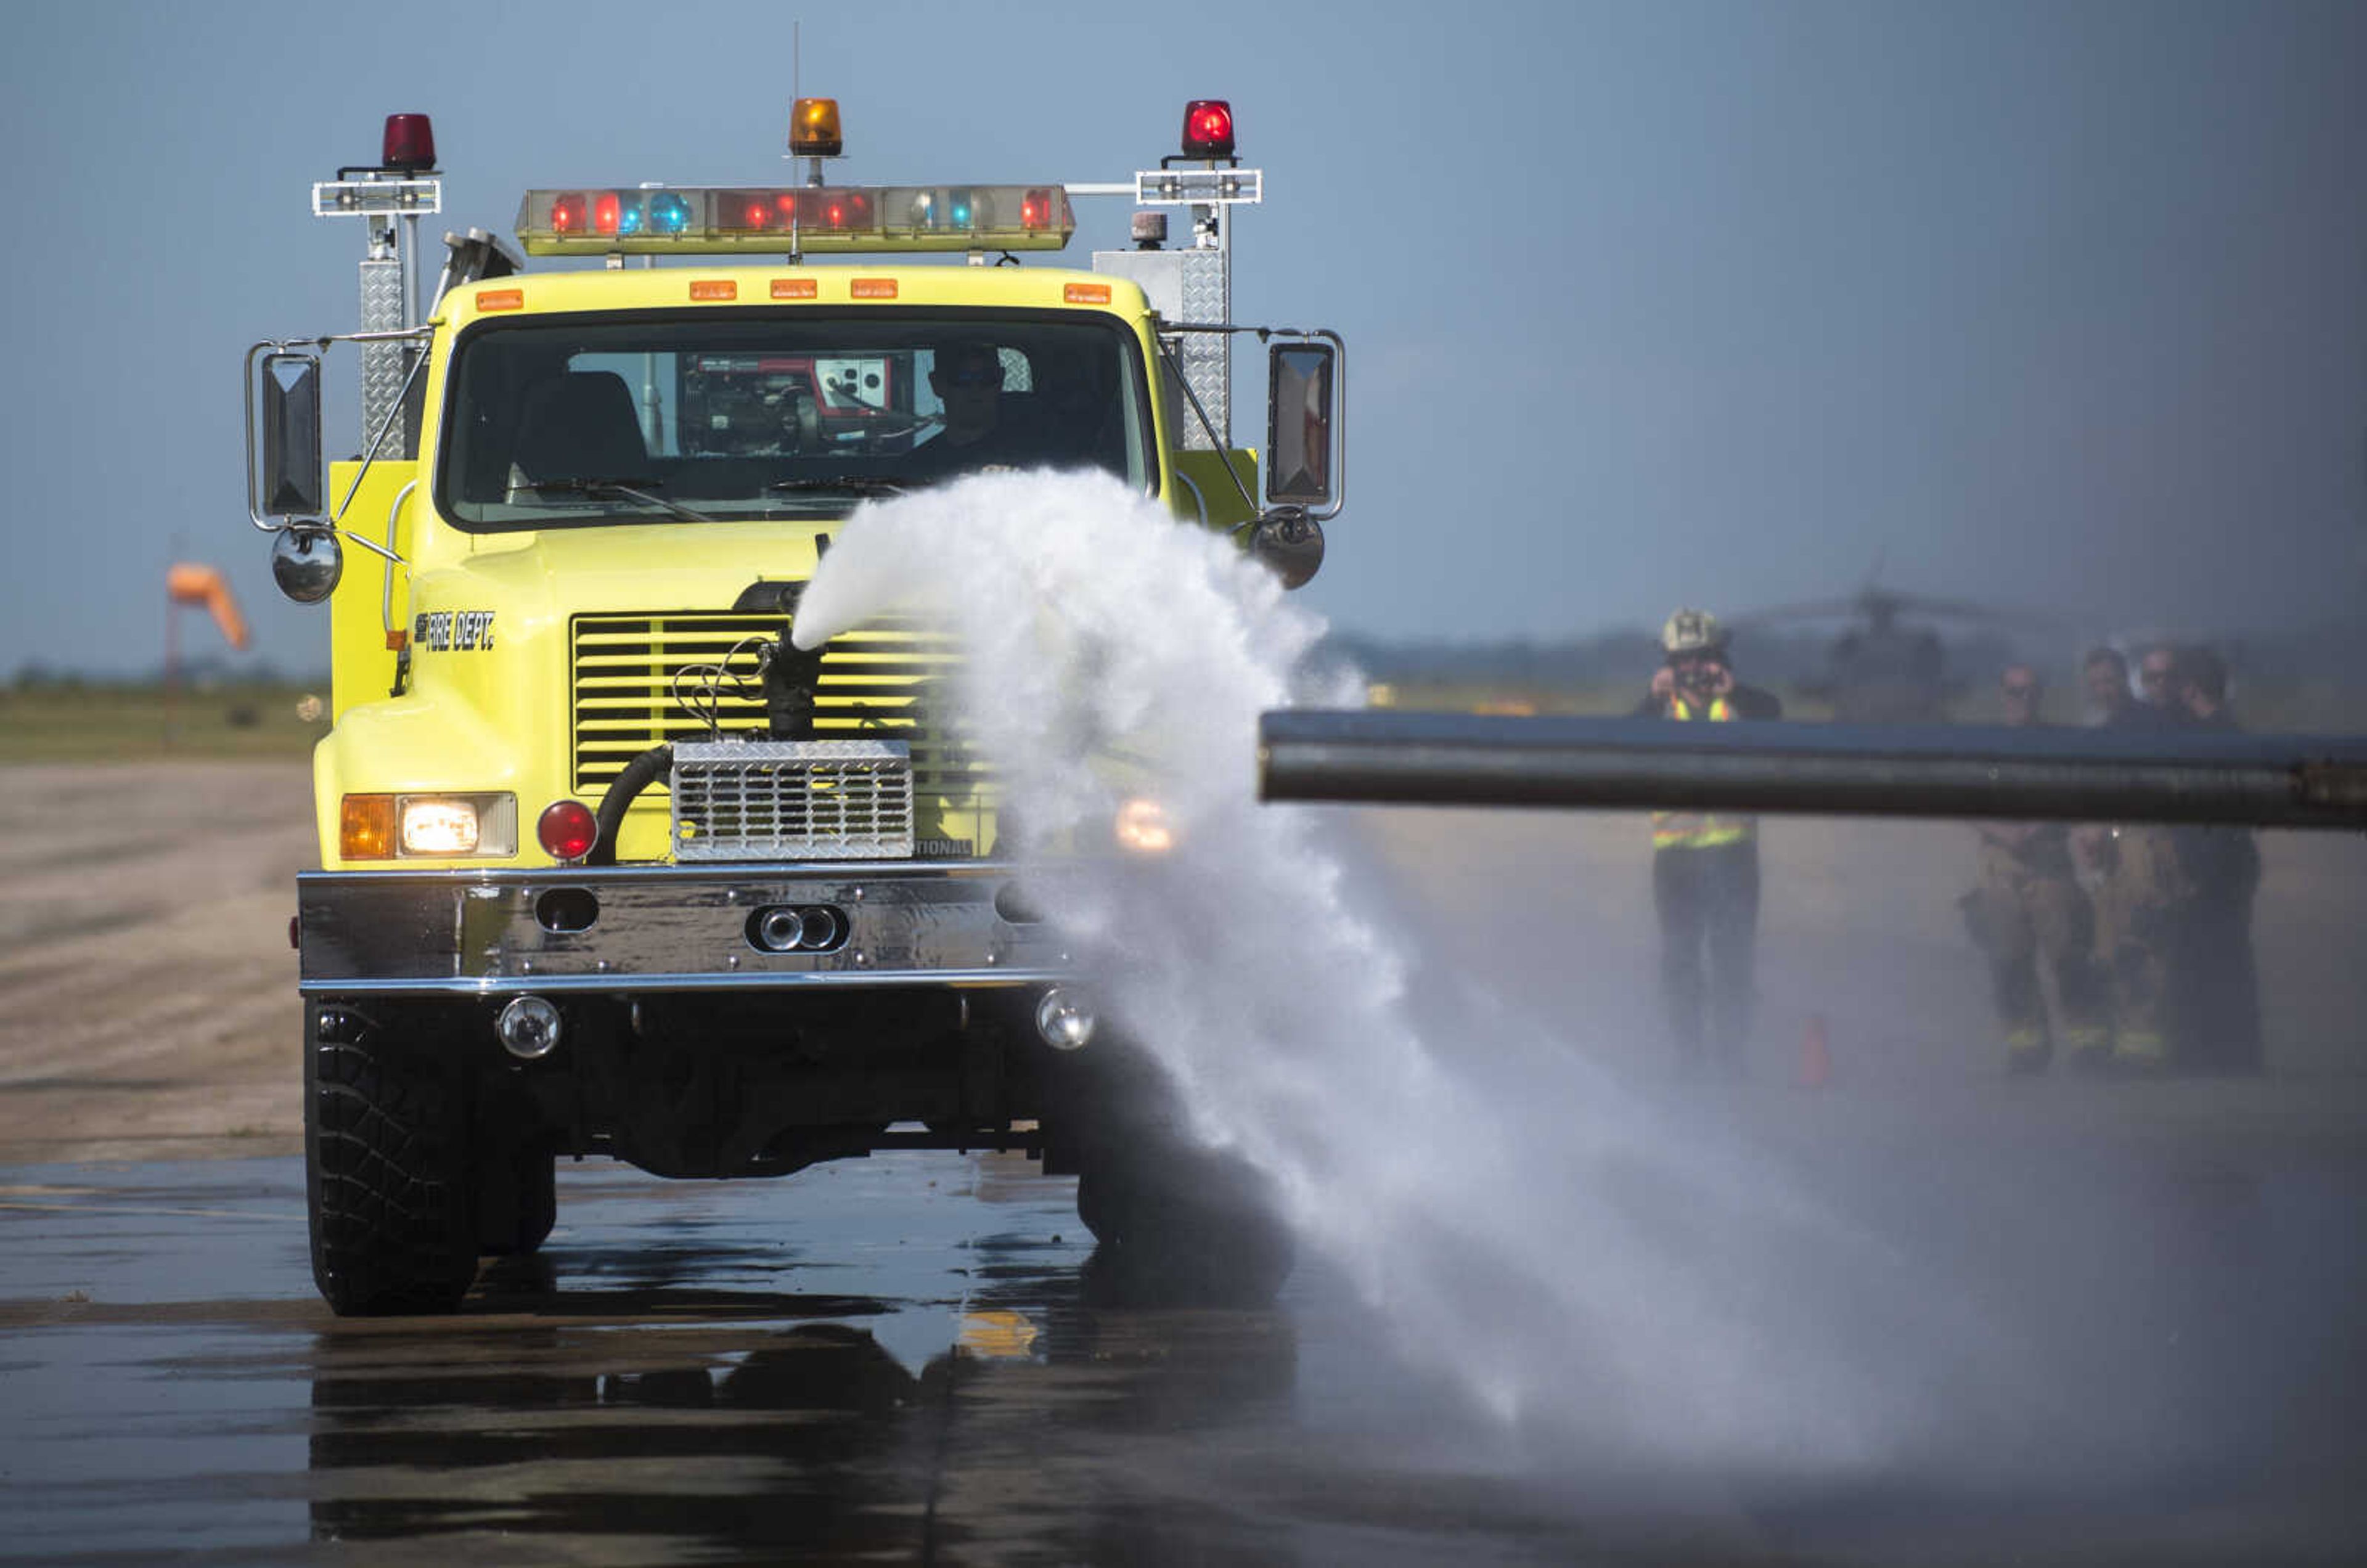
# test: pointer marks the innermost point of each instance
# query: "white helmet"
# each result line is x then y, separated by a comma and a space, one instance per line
1692, 631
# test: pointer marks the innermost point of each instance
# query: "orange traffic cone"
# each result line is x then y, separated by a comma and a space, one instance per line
1815, 1054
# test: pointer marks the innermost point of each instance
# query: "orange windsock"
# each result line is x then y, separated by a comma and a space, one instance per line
189, 583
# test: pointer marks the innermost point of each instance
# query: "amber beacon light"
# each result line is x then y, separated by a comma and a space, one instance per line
813, 129
1208, 129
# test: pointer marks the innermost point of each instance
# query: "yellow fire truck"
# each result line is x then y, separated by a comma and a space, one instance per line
610, 867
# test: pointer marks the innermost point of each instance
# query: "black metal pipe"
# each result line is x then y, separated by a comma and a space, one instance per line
2118, 775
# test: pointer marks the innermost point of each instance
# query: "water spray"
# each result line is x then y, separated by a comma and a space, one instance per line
1578, 1257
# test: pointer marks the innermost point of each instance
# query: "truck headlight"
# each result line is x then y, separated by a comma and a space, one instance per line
439, 827
1141, 827
402, 827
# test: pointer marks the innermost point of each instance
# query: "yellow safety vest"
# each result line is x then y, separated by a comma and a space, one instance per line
1701, 830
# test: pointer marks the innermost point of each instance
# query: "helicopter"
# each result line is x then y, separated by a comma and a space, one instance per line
1880, 669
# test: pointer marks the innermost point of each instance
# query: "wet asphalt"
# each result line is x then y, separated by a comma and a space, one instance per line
917, 1359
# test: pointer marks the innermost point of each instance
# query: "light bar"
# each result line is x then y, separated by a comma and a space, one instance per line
776, 221
350, 198
1198, 188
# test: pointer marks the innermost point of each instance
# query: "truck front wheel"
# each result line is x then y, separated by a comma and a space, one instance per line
517, 1198
1183, 1224
387, 1169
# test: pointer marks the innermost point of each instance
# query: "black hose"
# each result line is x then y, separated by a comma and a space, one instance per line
643, 771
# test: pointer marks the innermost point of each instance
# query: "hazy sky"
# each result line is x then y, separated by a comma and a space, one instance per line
2059, 304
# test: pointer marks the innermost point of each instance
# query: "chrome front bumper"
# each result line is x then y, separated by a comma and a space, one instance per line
672, 928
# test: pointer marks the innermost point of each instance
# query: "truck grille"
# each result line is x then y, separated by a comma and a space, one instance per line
792, 800
879, 683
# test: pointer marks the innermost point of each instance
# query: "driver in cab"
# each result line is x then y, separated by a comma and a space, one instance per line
980, 436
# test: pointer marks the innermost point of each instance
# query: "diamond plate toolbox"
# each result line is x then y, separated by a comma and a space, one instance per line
385, 366
792, 800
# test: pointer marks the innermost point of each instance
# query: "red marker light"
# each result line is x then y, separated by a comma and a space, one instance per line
567, 829
1036, 210
409, 144
756, 215
605, 210
569, 214
1208, 129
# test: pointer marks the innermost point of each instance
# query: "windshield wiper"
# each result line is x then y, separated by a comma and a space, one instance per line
610, 489
861, 484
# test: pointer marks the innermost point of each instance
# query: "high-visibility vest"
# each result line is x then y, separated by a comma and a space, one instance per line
1701, 830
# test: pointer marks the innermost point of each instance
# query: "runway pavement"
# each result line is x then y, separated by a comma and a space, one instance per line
917, 1359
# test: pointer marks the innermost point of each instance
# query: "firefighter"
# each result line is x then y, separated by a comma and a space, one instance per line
2154, 669
2030, 907
2105, 673
2215, 986
1705, 864
2142, 895
980, 436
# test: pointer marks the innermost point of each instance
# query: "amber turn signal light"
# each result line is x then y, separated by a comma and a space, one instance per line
366, 827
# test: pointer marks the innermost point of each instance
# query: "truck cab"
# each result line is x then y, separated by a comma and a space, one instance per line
611, 868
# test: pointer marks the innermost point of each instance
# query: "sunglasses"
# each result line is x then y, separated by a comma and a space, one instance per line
973, 376
2018, 691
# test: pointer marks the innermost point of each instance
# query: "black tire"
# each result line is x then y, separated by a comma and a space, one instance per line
386, 1169
517, 1199
1182, 1225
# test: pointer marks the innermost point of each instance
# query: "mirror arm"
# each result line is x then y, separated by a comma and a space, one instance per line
394, 411
345, 534
319, 346
375, 550
1167, 356
1339, 424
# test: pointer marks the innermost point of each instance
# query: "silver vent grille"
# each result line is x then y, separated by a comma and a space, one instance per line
792, 800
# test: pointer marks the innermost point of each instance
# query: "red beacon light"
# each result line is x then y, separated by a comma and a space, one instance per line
1208, 129
409, 144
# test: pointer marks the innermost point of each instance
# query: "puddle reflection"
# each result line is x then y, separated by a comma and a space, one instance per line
715, 1425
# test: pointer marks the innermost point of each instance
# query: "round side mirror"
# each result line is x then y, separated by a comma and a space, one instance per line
1290, 543
306, 563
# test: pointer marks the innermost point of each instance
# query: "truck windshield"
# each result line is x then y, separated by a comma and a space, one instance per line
684, 416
